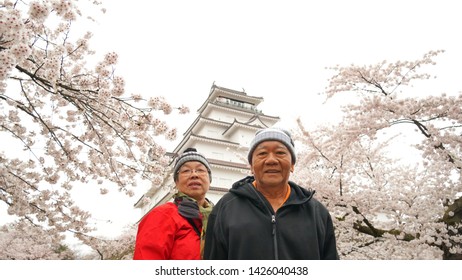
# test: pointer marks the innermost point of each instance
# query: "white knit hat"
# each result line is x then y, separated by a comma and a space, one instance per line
190, 154
272, 134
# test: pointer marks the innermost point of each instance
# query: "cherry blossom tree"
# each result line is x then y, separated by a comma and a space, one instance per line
119, 248
22, 240
389, 201
67, 122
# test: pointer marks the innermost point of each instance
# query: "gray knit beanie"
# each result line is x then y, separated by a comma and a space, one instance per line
190, 154
272, 134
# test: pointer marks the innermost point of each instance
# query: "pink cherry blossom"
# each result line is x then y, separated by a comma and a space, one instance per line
68, 126
388, 204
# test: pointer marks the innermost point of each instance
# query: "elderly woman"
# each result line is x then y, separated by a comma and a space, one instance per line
176, 230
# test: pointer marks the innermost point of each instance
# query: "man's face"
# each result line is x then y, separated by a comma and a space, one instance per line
271, 164
193, 180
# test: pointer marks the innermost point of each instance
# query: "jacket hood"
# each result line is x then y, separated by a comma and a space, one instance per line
244, 187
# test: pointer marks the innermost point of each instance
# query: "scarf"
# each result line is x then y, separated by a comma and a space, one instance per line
189, 209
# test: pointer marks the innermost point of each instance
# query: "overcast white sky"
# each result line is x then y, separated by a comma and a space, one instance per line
274, 49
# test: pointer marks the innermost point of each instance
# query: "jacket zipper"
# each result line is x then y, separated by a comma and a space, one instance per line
275, 240
273, 222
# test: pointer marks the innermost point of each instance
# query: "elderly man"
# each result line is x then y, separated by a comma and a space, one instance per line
266, 216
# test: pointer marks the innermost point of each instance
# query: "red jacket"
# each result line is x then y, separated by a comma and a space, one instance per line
165, 235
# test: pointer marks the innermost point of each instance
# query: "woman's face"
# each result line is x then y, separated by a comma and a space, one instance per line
193, 180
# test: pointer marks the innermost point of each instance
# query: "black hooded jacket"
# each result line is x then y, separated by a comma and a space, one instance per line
243, 226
